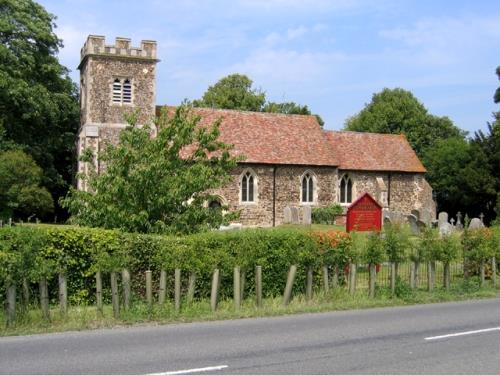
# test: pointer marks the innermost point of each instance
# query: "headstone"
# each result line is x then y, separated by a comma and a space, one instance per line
481, 217
387, 221
475, 223
287, 214
421, 225
459, 224
442, 218
416, 213
295, 215
412, 220
306, 215
445, 229
452, 222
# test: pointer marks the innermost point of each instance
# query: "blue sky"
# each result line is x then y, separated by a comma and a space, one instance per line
330, 55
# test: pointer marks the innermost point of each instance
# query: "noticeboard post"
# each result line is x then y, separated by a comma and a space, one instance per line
364, 214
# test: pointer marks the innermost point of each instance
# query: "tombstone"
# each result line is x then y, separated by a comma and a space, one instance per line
442, 218
445, 229
412, 220
416, 213
421, 225
459, 224
306, 215
287, 214
452, 222
481, 217
387, 221
295, 215
475, 223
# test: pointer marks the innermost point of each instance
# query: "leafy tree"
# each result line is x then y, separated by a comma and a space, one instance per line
290, 108
233, 92
20, 191
38, 102
496, 97
157, 184
396, 111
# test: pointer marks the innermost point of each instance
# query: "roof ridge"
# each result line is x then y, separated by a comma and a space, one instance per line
367, 133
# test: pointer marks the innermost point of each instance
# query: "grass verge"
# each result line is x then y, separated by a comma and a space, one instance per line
86, 317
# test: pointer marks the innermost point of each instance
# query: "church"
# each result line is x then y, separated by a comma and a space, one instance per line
289, 160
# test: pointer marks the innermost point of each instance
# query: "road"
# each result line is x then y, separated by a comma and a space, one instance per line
402, 340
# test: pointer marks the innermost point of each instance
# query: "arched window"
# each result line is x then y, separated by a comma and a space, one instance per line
345, 189
307, 188
122, 91
248, 187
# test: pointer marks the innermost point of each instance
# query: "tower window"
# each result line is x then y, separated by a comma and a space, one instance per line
122, 91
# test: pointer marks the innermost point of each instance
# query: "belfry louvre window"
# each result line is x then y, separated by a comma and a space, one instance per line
307, 188
122, 91
345, 189
247, 187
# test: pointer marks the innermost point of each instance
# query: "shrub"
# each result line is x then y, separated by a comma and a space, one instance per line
326, 215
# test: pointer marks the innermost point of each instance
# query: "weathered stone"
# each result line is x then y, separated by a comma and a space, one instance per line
445, 229
442, 218
459, 224
295, 215
287, 215
421, 225
475, 223
416, 213
412, 220
387, 221
306, 215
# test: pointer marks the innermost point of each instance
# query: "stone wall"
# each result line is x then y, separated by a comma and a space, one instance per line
287, 192
407, 191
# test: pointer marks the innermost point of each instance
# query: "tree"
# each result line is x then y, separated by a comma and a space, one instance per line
496, 97
20, 191
397, 111
290, 108
39, 109
233, 92
157, 184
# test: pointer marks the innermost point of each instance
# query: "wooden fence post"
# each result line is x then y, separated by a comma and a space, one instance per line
326, 282
430, 276
481, 273
258, 285
149, 288
417, 274
115, 297
191, 287
309, 283
26, 293
393, 278
373, 277
289, 285
98, 291
243, 280
177, 289
11, 304
44, 298
63, 293
126, 289
352, 278
335, 278
215, 290
236, 288
412, 275
163, 287
494, 272
446, 275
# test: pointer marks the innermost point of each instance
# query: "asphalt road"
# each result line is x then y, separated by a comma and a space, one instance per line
403, 340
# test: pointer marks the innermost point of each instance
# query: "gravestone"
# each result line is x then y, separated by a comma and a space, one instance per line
442, 218
416, 213
412, 220
459, 224
287, 215
306, 215
445, 229
387, 221
421, 225
295, 215
475, 223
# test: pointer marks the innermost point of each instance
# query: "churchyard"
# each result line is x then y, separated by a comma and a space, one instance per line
68, 277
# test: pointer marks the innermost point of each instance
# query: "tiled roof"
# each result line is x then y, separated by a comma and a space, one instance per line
271, 138
374, 152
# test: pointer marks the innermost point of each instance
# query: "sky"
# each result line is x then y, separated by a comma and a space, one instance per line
329, 55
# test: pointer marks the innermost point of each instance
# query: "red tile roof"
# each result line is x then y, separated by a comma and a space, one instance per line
374, 152
271, 138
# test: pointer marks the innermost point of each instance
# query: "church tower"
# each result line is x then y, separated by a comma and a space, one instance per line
114, 80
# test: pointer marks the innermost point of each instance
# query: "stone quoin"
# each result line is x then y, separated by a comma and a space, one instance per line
289, 160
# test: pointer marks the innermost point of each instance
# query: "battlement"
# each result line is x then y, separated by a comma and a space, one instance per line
96, 45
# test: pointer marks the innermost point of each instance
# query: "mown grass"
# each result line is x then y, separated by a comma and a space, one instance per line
87, 317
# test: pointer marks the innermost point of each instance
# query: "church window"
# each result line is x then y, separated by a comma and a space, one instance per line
307, 188
345, 189
248, 187
122, 91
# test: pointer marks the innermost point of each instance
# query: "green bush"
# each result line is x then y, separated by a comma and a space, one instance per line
326, 215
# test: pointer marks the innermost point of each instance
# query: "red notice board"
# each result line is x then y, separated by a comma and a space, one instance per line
364, 214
